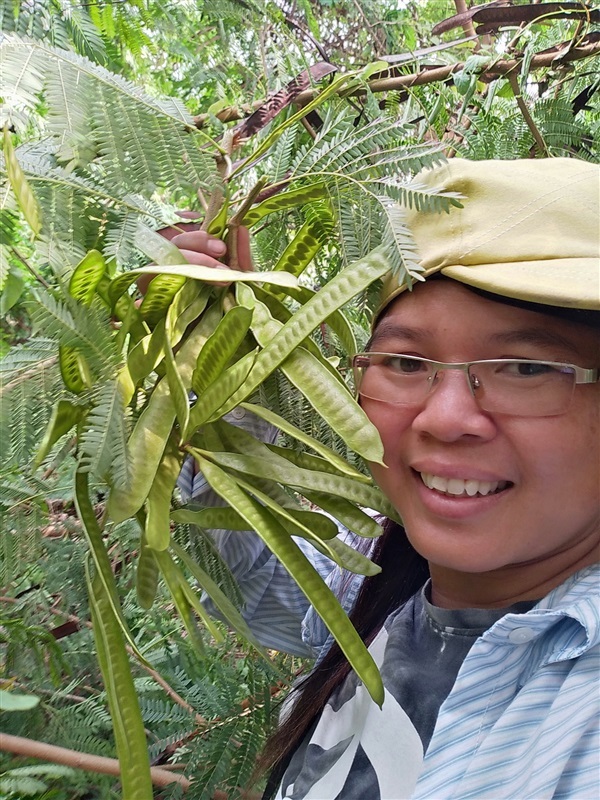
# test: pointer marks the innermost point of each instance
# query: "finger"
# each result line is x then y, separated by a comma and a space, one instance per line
174, 230
200, 242
201, 259
244, 253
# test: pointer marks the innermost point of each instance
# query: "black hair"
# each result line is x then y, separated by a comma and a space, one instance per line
403, 573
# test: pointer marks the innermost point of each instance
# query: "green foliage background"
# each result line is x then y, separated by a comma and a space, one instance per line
108, 100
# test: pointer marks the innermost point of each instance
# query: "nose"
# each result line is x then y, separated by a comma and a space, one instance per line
451, 412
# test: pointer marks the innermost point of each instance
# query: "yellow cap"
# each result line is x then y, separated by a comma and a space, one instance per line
528, 229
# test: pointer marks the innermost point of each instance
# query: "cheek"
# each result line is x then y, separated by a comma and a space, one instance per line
392, 422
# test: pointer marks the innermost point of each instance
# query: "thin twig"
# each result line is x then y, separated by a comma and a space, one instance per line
28, 373
468, 27
539, 140
30, 267
31, 748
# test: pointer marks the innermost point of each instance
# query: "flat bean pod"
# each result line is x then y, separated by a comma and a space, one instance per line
305, 575
93, 535
158, 505
172, 579
281, 470
220, 348
149, 437
128, 725
227, 609
146, 575
325, 452
346, 513
330, 298
208, 406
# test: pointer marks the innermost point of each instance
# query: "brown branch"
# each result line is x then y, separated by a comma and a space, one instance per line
437, 74
468, 27
30, 748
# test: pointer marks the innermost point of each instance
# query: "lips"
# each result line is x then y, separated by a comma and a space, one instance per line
462, 487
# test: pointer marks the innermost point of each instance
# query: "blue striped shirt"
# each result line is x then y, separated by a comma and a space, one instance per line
522, 719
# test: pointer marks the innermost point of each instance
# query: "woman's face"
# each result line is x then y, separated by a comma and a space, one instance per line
542, 522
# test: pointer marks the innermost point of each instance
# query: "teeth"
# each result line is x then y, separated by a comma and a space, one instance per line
459, 486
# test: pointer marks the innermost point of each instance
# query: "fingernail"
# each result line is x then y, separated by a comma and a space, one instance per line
216, 247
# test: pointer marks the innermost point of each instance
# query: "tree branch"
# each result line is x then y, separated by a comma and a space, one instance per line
30, 748
437, 74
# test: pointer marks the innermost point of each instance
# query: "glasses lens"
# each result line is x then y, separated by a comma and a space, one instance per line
519, 388
523, 388
396, 379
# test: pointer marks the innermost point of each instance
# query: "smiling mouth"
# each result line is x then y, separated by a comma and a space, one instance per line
462, 487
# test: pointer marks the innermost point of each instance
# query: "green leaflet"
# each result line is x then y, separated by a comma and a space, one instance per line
159, 296
305, 575
280, 469
208, 406
148, 439
220, 347
324, 451
146, 575
64, 415
229, 612
300, 251
347, 514
158, 508
18, 183
128, 725
86, 277
331, 297
284, 201
209, 275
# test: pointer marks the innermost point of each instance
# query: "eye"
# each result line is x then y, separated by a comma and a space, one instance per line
404, 365
528, 369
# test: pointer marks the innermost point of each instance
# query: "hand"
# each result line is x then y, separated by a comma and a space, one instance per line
199, 247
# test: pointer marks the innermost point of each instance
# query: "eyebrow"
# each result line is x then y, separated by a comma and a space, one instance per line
388, 329
536, 337
533, 336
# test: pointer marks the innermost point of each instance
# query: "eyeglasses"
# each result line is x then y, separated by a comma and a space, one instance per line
507, 385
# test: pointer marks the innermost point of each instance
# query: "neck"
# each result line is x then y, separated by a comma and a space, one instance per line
503, 587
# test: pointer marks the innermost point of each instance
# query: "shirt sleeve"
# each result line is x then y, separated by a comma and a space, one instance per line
275, 609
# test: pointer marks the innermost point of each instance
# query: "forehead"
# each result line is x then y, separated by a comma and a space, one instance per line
445, 312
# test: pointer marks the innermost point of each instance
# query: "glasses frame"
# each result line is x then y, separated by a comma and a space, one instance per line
581, 375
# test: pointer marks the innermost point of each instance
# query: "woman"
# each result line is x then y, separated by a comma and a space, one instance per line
485, 619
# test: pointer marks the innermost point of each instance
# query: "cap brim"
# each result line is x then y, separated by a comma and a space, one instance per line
565, 282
